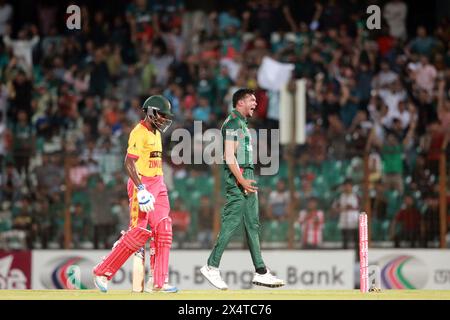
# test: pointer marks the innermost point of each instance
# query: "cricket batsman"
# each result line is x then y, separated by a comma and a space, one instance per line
149, 202
241, 195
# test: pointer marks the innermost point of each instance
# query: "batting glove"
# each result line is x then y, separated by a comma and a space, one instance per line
146, 199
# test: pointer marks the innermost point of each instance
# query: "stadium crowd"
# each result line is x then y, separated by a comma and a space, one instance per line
69, 98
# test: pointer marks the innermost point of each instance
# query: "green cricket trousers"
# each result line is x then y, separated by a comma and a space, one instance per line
238, 207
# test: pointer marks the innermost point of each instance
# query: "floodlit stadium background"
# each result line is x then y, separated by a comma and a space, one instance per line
376, 119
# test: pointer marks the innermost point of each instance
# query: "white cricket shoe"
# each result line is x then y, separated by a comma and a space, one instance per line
267, 280
167, 288
101, 282
212, 274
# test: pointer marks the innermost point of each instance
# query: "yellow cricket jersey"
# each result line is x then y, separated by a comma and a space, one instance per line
146, 147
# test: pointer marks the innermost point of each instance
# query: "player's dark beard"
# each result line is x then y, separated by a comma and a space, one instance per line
160, 122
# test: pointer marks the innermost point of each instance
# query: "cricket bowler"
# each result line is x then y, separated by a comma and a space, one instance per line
149, 202
241, 195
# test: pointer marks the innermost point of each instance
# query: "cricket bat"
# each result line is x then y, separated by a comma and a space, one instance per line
138, 270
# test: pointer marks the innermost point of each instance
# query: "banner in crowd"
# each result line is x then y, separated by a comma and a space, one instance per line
412, 268
58, 269
15, 269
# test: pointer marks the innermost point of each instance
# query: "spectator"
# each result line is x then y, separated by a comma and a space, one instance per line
317, 143
398, 121
99, 74
80, 226
431, 144
307, 190
425, 75
349, 102
205, 86
422, 43
392, 95
121, 213
47, 17
23, 47
385, 77
364, 78
181, 222
421, 175
143, 22
265, 16
203, 111
205, 223
99, 29
357, 141
147, 74
23, 146
430, 217
20, 93
102, 218
49, 176
129, 84
379, 203
57, 211
406, 224
279, 201
347, 206
79, 174
312, 222
77, 78
375, 168
392, 152
161, 61
42, 222
23, 220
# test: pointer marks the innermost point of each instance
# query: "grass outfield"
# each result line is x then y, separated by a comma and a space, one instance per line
226, 295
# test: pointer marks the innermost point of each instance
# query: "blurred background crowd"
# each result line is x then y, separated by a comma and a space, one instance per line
69, 98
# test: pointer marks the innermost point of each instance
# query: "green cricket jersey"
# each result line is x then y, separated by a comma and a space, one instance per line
235, 128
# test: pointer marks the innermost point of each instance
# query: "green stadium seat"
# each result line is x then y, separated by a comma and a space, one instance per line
276, 231
376, 230
297, 232
202, 187
265, 230
283, 231
283, 171
273, 181
331, 231
173, 195
271, 231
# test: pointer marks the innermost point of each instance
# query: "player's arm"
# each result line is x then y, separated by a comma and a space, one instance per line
145, 198
231, 161
130, 167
